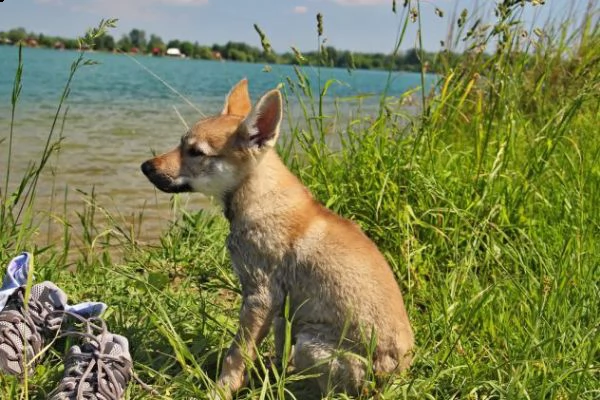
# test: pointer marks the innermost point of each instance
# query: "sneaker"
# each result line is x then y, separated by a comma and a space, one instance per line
99, 369
24, 330
16, 275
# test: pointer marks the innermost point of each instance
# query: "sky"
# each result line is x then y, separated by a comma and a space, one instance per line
356, 25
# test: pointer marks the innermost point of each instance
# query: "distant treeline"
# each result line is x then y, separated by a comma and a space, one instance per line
137, 42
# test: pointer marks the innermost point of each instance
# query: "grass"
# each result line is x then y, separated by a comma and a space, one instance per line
484, 203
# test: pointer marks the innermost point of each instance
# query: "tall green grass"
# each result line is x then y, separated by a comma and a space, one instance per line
483, 200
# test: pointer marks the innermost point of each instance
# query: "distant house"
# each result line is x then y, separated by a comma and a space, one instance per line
31, 42
217, 56
59, 45
5, 41
157, 51
134, 50
174, 52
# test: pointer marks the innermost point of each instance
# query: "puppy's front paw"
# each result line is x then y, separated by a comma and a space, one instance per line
226, 386
220, 392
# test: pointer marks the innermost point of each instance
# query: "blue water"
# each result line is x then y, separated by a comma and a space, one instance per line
118, 113
118, 80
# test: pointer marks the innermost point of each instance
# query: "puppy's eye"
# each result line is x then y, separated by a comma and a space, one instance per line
195, 152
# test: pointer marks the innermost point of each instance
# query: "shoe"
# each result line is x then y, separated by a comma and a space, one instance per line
24, 330
16, 275
99, 369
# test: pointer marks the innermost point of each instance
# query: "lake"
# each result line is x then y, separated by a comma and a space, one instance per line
118, 113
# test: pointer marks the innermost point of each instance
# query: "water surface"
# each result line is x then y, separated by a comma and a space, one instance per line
118, 113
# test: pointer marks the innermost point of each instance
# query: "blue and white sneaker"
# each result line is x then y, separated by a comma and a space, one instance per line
25, 329
100, 367
16, 275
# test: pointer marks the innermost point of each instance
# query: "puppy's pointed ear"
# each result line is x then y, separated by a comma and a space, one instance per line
261, 127
238, 100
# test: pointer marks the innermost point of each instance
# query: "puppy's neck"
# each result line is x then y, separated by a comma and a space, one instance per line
268, 191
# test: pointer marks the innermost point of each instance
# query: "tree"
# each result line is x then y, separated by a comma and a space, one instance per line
45, 41
109, 42
155, 42
202, 52
173, 44
411, 57
138, 38
237, 55
71, 43
124, 44
411, 60
104, 42
187, 48
17, 34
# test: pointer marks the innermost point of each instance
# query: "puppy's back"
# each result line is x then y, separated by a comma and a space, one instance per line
354, 282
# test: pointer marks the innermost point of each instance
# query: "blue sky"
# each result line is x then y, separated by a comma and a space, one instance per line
358, 25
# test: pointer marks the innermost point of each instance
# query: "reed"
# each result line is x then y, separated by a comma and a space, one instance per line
483, 200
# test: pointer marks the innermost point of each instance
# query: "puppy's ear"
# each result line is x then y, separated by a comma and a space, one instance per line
238, 100
261, 127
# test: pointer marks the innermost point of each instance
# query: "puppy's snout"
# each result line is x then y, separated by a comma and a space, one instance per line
148, 168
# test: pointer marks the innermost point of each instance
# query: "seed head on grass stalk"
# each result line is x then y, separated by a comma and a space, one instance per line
264, 41
414, 14
88, 40
320, 24
463, 18
351, 64
298, 55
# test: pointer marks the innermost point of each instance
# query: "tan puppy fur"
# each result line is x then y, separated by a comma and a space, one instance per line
283, 243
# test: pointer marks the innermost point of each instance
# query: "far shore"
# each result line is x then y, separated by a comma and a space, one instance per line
136, 43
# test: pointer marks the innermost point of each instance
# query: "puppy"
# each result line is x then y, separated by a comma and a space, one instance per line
347, 312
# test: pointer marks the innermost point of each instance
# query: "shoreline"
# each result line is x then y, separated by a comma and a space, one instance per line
309, 59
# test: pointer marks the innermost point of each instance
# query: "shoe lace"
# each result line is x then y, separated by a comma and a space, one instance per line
95, 370
22, 322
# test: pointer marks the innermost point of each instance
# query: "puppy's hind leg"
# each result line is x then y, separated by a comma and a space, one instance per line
337, 369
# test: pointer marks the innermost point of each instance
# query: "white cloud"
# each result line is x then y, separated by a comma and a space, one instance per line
300, 10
